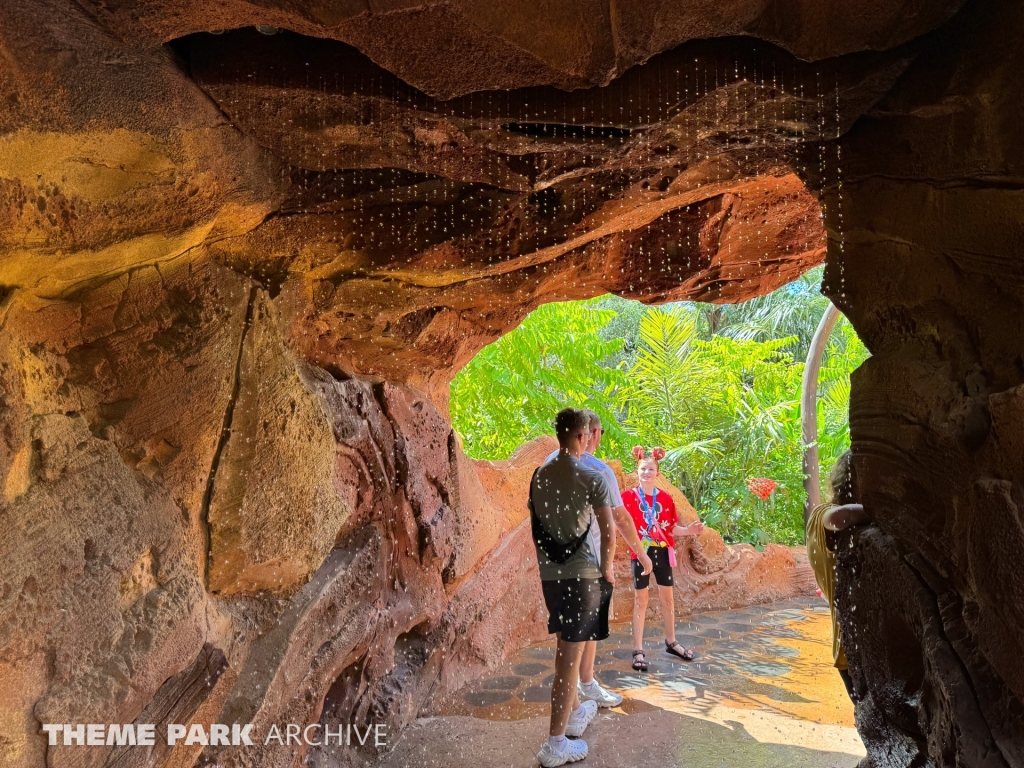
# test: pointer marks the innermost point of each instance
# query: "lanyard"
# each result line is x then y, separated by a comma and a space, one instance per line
650, 513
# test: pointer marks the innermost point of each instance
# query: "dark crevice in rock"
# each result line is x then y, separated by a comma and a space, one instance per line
572, 131
269, 274
225, 433
177, 701
401, 465
950, 625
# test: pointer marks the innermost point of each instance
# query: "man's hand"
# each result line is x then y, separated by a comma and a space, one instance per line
645, 562
624, 523
608, 571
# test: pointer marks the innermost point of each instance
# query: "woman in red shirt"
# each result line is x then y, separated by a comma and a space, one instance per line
656, 521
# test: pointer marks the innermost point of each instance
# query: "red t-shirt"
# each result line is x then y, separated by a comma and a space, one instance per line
664, 508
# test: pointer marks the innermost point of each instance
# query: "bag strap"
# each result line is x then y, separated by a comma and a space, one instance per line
556, 551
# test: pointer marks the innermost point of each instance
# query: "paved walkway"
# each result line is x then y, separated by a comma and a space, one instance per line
762, 692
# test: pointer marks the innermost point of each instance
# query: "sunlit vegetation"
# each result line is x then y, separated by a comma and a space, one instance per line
717, 386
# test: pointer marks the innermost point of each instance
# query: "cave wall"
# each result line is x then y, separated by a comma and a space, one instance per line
452, 47
230, 490
927, 265
202, 526
189, 505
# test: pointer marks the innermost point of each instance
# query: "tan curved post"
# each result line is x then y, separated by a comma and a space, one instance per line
809, 408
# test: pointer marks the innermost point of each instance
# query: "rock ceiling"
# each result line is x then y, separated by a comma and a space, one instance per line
412, 212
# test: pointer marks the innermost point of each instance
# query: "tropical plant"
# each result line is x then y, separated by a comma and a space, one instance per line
725, 404
721, 409
728, 412
509, 393
791, 311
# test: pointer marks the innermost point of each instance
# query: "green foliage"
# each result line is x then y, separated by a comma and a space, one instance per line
510, 392
718, 388
727, 410
793, 312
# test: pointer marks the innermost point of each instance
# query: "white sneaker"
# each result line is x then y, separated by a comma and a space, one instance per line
580, 719
573, 751
598, 695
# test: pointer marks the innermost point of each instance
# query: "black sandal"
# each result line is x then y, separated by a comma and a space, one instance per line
640, 665
678, 650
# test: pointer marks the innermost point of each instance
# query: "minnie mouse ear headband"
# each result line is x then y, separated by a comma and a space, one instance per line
657, 453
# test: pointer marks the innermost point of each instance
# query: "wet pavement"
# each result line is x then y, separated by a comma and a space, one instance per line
762, 691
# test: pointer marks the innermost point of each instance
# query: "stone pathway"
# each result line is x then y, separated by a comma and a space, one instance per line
762, 691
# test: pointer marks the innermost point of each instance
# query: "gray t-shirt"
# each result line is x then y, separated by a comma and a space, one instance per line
564, 495
593, 462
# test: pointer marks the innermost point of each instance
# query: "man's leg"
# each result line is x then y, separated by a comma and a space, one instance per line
563, 689
587, 661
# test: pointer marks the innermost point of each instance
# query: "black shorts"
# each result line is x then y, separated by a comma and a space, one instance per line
662, 570
578, 608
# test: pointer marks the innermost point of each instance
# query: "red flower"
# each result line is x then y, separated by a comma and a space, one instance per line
762, 487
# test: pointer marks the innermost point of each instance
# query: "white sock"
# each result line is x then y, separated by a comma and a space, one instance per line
557, 742
588, 687
580, 711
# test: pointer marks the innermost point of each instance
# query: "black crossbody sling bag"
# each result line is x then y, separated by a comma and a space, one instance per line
556, 551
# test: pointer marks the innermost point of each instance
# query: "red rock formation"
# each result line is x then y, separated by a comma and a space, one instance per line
453, 47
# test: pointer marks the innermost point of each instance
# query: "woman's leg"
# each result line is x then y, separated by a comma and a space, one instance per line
667, 599
640, 597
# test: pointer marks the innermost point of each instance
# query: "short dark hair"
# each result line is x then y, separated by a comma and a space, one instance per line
568, 422
842, 481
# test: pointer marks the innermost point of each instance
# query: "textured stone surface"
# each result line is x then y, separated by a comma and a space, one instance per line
109, 158
936, 414
274, 510
181, 266
104, 479
452, 47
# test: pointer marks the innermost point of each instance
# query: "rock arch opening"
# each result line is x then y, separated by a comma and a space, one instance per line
720, 386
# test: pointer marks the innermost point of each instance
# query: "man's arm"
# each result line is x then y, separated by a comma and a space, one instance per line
625, 526
604, 519
846, 516
624, 523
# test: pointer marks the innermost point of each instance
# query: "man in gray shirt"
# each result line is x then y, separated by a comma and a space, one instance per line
564, 495
590, 688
